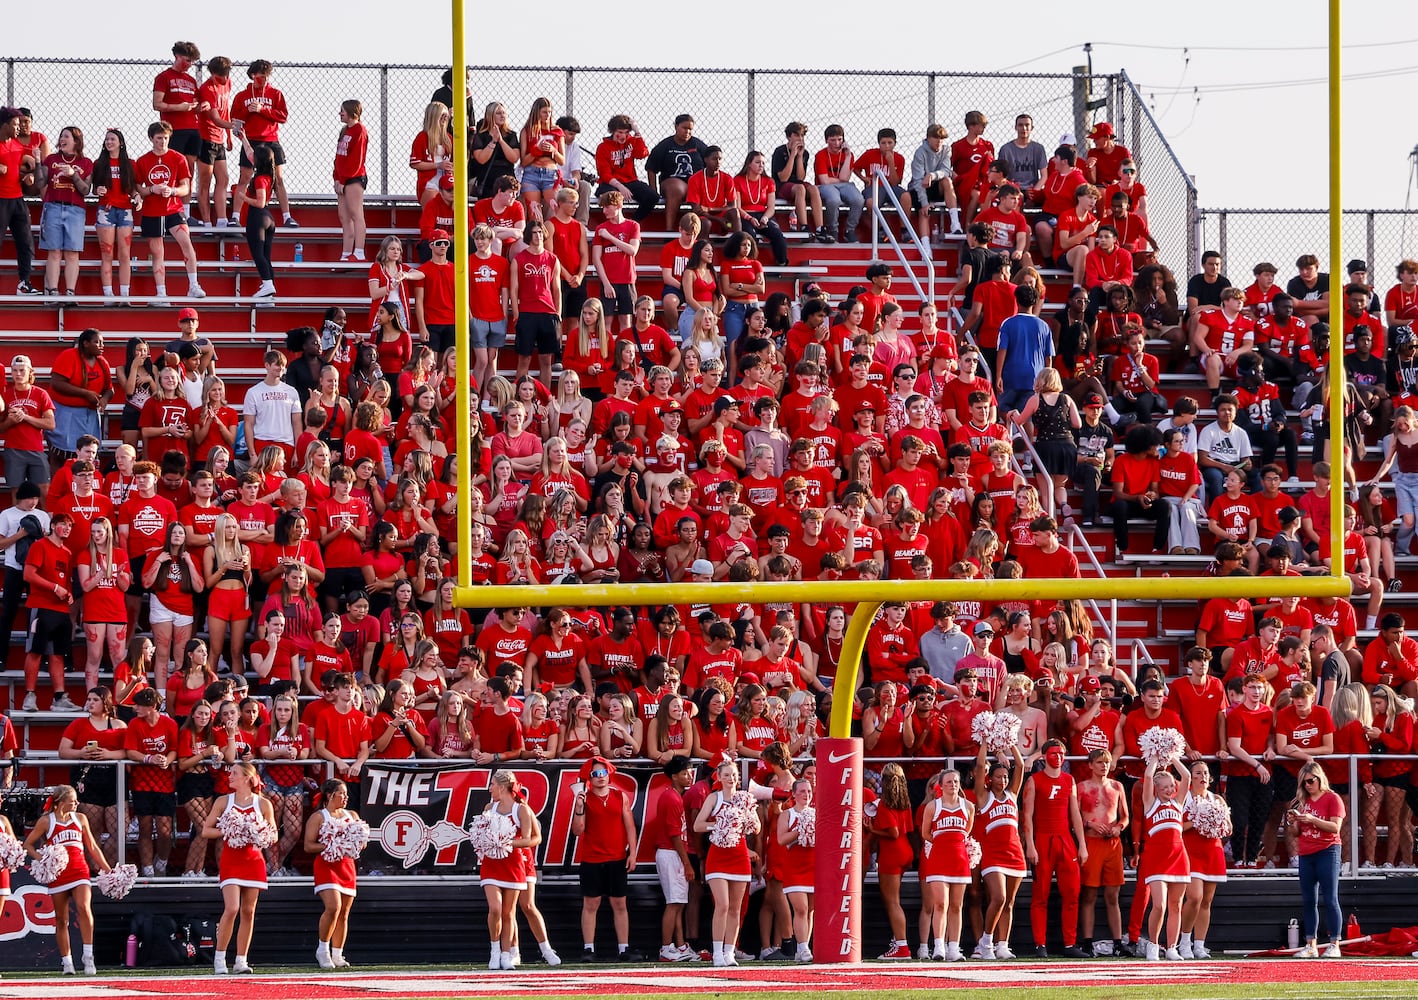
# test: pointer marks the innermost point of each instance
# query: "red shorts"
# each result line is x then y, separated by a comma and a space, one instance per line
289, 449
1105, 862
228, 604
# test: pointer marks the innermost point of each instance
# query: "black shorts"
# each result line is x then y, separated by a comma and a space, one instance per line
196, 786
154, 804
603, 878
361, 181
572, 299
276, 151
340, 581
187, 141
1392, 781
130, 418
537, 333
441, 336
618, 300
935, 192
211, 153
156, 227
1283, 784
97, 785
135, 566
51, 632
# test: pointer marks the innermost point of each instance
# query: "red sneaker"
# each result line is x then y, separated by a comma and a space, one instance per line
897, 952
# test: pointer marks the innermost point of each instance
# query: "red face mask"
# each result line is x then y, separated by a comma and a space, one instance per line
1054, 758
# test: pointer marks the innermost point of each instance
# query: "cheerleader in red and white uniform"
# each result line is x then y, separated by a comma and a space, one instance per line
527, 898
1002, 865
797, 864
241, 870
335, 881
1164, 857
1207, 857
945, 863
727, 870
64, 825
504, 879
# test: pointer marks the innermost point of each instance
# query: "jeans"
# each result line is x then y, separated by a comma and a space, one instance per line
1319, 887
1088, 478
834, 196
735, 317
260, 234
1405, 489
1183, 533
1249, 799
16, 218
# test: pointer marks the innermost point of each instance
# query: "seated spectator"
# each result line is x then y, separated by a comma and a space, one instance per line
711, 194
1126, 183
1076, 232
1133, 234
1106, 266
891, 164
833, 167
932, 181
1262, 415
431, 154
1222, 337
1136, 378
1010, 229
672, 162
615, 165
1310, 289
1357, 314
1025, 159
756, 205
1058, 199
1368, 380
1105, 159
790, 174
1136, 475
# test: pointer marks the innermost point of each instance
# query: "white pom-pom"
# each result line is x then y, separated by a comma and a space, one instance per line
242, 829
12, 853
491, 835
973, 853
343, 838
1210, 816
737, 816
807, 827
1161, 746
980, 727
50, 864
998, 731
117, 882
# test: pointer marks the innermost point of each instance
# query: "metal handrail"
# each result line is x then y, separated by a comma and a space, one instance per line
879, 225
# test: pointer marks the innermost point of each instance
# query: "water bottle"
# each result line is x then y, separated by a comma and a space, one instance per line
236, 251
130, 955
299, 252
1292, 934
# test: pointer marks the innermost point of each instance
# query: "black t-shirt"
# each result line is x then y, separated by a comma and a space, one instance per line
484, 175
1301, 292
670, 159
780, 162
444, 96
1093, 442
979, 259
1207, 293
1371, 372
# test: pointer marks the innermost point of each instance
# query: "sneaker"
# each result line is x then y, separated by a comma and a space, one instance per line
89, 969
924, 952
194, 291
985, 954
550, 957
627, 956
31, 703
495, 962
1172, 955
236, 221
1040, 951
359, 255
1074, 951
742, 956
1331, 951
938, 953
1186, 950
804, 955
191, 876
953, 952
290, 221
345, 258
219, 967
147, 869
669, 953
1151, 953
25, 288
1002, 950
719, 962
587, 955
1387, 866
242, 969
323, 959
1309, 951
266, 291
61, 703
222, 223
769, 954
897, 953
1200, 951
162, 302
340, 963
822, 236
688, 954
504, 961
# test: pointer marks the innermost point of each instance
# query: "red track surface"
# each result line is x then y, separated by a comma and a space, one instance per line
681, 980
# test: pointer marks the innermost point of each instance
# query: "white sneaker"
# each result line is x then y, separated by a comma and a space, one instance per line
194, 291
1151, 952
359, 255
719, 962
669, 953
1332, 951
1002, 950
147, 871
495, 962
266, 291
804, 955
504, 961
31, 703
731, 958
1185, 950
1102, 949
89, 969
323, 959
219, 967
985, 954
1198, 951
341, 962
923, 952
550, 957
1173, 955
1309, 951
241, 969
62, 704
766, 954
937, 954
162, 301
222, 223
952, 952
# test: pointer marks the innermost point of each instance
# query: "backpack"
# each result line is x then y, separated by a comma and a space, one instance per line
161, 942
202, 936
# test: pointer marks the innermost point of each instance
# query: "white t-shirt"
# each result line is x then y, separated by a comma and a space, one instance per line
10, 523
1229, 447
268, 410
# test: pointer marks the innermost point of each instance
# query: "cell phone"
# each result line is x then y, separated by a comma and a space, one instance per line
91, 745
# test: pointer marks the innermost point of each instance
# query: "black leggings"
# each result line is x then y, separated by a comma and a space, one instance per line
16, 218
770, 233
260, 234
1249, 799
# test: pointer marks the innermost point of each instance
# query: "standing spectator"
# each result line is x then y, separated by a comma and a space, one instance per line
176, 102
29, 412
260, 227
673, 161
790, 167
258, 113
1318, 815
444, 95
615, 164
543, 152
971, 154
13, 529
613, 251
1250, 742
432, 151
81, 383
1204, 291
116, 187
832, 167
494, 152
535, 294
49, 574
164, 181
65, 177
932, 181
1026, 159
601, 820
272, 410
351, 178
214, 126
571, 171
1027, 342
15, 163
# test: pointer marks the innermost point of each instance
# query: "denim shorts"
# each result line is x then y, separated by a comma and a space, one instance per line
61, 227
484, 334
70, 424
113, 218
540, 178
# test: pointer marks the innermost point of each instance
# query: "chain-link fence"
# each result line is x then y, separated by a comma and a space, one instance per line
739, 110
1245, 237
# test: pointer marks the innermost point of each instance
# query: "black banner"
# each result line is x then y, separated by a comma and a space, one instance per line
419, 814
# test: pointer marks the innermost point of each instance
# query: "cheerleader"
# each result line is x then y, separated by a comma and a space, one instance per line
335, 881
64, 825
504, 878
1164, 858
1207, 859
242, 870
527, 898
1002, 865
945, 867
797, 864
892, 824
727, 870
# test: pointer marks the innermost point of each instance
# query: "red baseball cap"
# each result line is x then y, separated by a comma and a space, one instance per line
188, 313
439, 234
1100, 130
592, 764
942, 351
1089, 684
446, 182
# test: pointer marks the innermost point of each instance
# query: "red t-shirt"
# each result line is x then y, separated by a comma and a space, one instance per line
1225, 621
499, 733
156, 739
342, 734
487, 278
350, 152
1253, 727
617, 267
169, 169
147, 522
557, 665
54, 563
105, 602
174, 86
437, 291
34, 402
1199, 708
535, 274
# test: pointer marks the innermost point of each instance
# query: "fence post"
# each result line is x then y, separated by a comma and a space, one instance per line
1193, 231
1221, 233
9, 83
1080, 102
384, 129
930, 99
1354, 845
752, 84
1369, 240
570, 90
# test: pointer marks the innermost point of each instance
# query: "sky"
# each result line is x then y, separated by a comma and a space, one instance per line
1245, 109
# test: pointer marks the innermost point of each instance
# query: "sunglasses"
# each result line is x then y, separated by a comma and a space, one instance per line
599, 774
441, 243
1126, 171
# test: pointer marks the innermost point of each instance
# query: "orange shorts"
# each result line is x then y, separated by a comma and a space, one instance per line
1105, 862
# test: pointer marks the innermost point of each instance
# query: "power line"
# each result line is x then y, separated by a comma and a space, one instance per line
1256, 48
1229, 88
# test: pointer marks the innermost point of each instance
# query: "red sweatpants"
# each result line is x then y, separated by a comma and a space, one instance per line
1058, 858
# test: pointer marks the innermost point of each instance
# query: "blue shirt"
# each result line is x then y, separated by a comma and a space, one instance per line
1029, 344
